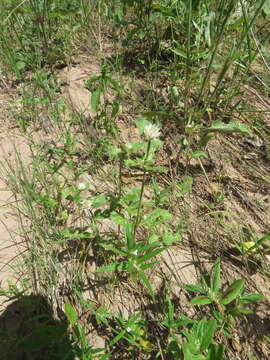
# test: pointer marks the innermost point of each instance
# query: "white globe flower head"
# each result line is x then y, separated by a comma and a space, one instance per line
129, 146
19, 287
151, 131
82, 186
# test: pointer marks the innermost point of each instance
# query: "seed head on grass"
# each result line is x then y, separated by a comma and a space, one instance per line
151, 132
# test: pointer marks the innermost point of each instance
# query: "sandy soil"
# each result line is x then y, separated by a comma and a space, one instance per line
10, 142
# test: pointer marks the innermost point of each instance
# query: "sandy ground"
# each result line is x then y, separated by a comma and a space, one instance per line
9, 226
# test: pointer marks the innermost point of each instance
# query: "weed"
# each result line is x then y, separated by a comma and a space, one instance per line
229, 303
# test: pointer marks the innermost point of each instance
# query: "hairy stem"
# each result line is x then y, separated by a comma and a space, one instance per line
142, 188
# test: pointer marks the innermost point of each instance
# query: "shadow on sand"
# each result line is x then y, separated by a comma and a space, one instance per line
29, 332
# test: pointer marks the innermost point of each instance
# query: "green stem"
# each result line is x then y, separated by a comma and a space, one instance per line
210, 65
120, 183
120, 176
142, 188
188, 60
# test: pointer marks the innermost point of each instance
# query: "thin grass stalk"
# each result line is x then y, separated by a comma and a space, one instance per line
246, 22
188, 66
17, 33
13, 11
219, 21
244, 34
218, 41
229, 58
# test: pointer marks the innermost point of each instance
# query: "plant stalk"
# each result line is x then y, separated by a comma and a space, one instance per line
142, 188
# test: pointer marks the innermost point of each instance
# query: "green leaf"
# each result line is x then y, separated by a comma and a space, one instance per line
194, 288
205, 139
189, 352
71, 235
111, 267
142, 123
186, 186
175, 94
218, 316
146, 283
113, 151
64, 215
138, 162
148, 265
71, 314
266, 8
198, 154
118, 337
201, 300
179, 53
156, 168
115, 109
98, 201
133, 147
169, 239
153, 239
20, 65
118, 218
242, 310
205, 281
215, 352
185, 321
248, 298
263, 239
156, 217
151, 115
147, 247
232, 292
150, 255
115, 85
207, 31
129, 236
232, 127
95, 100
215, 280
208, 334
113, 249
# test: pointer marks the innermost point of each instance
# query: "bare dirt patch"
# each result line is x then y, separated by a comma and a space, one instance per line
9, 229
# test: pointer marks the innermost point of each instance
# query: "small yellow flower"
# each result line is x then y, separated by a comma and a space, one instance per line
248, 245
146, 345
